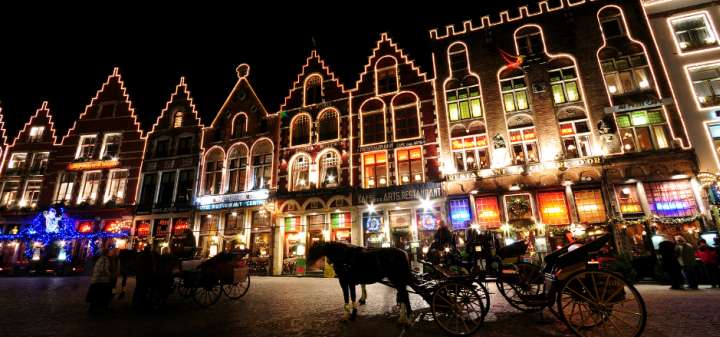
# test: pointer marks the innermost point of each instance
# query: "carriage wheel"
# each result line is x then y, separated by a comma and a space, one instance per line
484, 294
600, 303
206, 296
458, 309
184, 290
529, 282
238, 289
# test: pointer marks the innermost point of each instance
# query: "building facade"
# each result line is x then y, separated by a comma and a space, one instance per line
169, 172
558, 117
235, 200
94, 171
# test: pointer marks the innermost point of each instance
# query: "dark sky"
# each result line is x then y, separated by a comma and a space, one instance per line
63, 54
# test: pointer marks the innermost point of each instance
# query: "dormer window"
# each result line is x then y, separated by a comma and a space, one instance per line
178, 120
313, 90
36, 133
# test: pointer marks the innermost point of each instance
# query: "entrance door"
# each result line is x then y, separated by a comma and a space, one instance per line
400, 234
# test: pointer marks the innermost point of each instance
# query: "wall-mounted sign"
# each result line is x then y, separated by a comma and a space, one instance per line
180, 225
532, 168
399, 193
386, 146
246, 199
85, 226
647, 104
93, 165
142, 228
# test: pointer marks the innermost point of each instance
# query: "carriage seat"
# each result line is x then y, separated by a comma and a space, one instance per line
578, 255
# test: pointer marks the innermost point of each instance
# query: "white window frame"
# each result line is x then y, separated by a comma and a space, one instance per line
82, 189
36, 133
67, 187
514, 92
105, 143
709, 26
121, 187
80, 145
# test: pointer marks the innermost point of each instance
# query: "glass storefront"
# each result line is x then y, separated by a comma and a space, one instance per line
341, 226
400, 232
373, 225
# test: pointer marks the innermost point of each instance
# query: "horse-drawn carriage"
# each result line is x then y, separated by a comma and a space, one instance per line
589, 300
206, 280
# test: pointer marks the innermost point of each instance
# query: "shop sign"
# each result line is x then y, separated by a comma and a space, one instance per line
85, 226
93, 165
386, 146
246, 199
142, 228
180, 225
399, 193
373, 223
647, 104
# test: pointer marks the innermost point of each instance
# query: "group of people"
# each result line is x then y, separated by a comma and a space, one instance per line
682, 262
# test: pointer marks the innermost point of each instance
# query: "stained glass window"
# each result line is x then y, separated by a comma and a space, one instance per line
553, 208
590, 206
488, 212
460, 214
671, 198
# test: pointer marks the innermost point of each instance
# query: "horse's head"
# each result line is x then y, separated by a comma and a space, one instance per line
334, 251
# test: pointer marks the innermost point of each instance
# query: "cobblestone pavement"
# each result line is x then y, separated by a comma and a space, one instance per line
301, 307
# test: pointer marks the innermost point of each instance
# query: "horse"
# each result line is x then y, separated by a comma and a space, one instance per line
358, 265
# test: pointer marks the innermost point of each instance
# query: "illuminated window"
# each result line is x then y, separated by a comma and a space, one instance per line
590, 206
328, 125
32, 194
239, 126
313, 90
262, 165
471, 153
694, 33
373, 122
627, 74
39, 162
300, 130
213, 172
375, 168
463, 99
628, 199
460, 213
564, 83
89, 187
340, 220
86, 147
643, 130
386, 74
524, 146
111, 146
553, 208
36, 133
178, 119
529, 43
515, 94
10, 193
488, 212
715, 135
66, 183
706, 84
671, 198
18, 162
117, 184
407, 121
576, 138
409, 165
300, 173
237, 169
329, 169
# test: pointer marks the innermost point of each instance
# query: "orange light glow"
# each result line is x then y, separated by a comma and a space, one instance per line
93, 165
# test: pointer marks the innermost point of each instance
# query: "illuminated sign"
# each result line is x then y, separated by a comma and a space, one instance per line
93, 165
232, 198
386, 146
85, 226
399, 193
142, 228
640, 105
180, 225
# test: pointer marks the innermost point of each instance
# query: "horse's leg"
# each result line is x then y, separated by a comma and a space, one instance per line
353, 314
346, 308
363, 297
405, 309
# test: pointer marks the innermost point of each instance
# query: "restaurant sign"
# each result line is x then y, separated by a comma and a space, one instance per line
93, 165
246, 199
395, 145
399, 193
647, 104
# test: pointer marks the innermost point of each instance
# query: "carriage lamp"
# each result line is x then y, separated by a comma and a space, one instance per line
425, 249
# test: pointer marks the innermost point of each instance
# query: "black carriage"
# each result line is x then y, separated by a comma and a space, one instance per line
206, 280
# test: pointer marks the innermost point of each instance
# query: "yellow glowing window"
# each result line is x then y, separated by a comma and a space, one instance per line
453, 111
488, 212
457, 144
481, 141
590, 206
415, 153
469, 143
553, 208
566, 129
402, 155
515, 136
380, 158
628, 199
529, 134
369, 159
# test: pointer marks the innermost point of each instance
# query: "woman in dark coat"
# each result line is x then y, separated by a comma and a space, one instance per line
670, 264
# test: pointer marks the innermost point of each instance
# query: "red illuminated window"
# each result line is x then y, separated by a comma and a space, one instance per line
488, 212
590, 206
142, 228
409, 165
375, 168
671, 198
524, 146
553, 208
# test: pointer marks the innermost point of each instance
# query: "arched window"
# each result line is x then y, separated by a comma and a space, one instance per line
457, 53
300, 130
329, 169
611, 23
373, 121
213, 171
470, 147
463, 99
386, 75
328, 125
529, 41
575, 133
239, 126
523, 140
262, 157
407, 117
237, 167
178, 119
313, 89
300, 173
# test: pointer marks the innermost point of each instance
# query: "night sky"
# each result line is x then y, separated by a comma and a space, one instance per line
63, 54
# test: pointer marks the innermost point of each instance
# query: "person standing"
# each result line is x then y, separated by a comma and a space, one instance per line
100, 291
670, 264
686, 257
708, 257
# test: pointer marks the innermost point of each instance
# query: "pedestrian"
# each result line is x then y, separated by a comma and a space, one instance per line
100, 291
708, 257
670, 264
686, 257
143, 278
